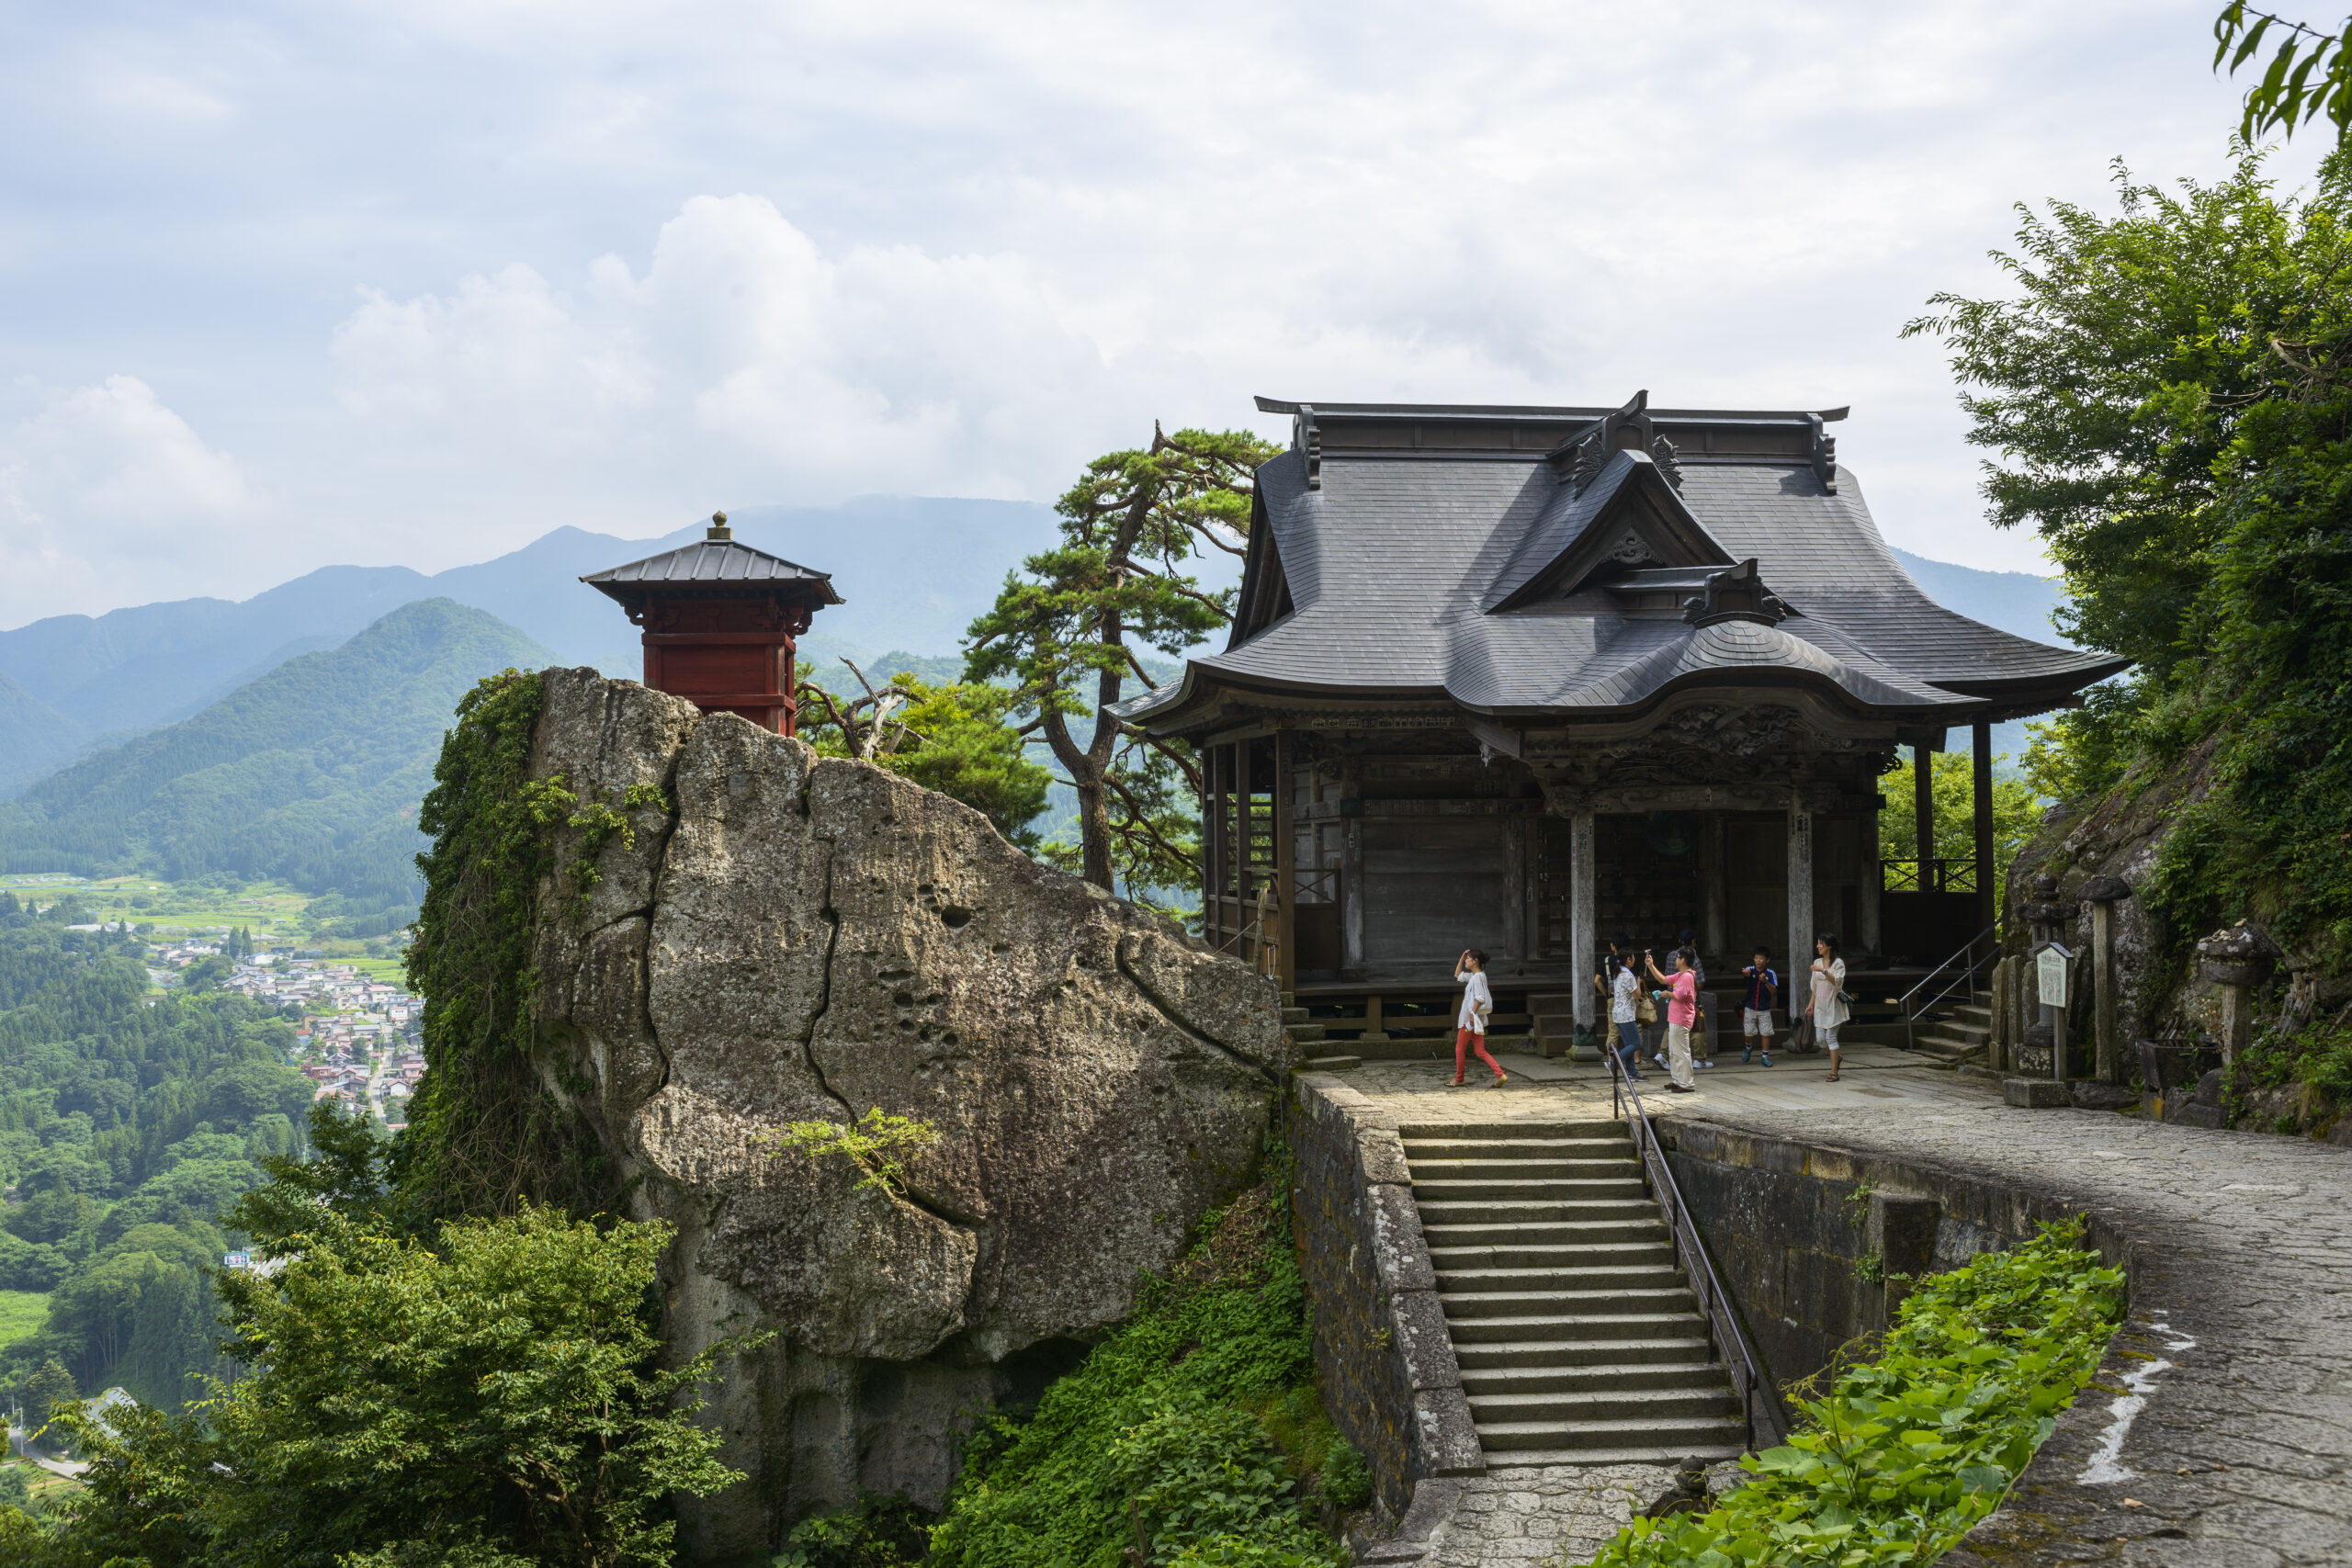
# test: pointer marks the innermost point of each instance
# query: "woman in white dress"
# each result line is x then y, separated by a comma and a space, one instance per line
1823, 1004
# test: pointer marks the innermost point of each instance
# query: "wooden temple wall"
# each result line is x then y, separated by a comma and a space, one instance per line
1351, 863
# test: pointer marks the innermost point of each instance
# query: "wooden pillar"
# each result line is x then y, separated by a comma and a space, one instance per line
1243, 837
1981, 738
1514, 891
1870, 937
1923, 812
1801, 930
1352, 866
1212, 842
1583, 940
1714, 921
1285, 858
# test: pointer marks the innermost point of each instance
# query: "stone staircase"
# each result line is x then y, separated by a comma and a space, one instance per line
1960, 1036
1578, 1341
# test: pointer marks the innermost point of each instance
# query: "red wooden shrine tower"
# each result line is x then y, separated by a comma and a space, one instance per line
720, 618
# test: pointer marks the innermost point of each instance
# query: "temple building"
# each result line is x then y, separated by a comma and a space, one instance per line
1521, 679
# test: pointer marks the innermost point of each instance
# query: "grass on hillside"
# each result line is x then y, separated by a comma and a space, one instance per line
22, 1313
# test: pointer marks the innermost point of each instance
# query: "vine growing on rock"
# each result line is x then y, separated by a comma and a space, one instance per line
484, 1134
1191, 1436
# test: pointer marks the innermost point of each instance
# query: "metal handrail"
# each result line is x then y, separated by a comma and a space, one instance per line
1968, 973
1760, 1408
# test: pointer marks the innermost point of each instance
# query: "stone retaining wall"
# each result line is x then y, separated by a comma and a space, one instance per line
1809, 1240
1384, 1357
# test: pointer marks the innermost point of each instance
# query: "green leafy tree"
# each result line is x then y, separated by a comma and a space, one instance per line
952, 737
1951, 784
2170, 396
1066, 630
2308, 75
494, 1397
49, 1388
2111, 378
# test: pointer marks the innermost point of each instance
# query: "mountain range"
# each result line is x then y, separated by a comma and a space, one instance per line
914, 570
292, 734
311, 772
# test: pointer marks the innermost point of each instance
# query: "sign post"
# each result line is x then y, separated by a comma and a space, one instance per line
2052, 972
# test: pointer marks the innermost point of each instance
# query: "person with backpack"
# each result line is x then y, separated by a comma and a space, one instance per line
1470, 1028
1826, 1004
1756, 1011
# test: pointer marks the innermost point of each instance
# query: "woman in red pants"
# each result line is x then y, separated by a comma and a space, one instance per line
1470, 1029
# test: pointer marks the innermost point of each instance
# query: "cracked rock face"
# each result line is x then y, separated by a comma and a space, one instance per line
807, 939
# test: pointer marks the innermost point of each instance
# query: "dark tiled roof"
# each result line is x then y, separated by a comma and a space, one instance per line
1391, 564
723, 561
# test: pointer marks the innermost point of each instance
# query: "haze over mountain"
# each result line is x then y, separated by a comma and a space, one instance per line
913, 569
310, 774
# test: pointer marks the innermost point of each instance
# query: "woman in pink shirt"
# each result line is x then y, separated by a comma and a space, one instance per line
1681, 998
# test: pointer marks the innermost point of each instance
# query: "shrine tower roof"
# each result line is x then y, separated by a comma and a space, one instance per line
714, 563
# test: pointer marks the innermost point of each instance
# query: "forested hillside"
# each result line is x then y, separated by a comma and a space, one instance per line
310, 774
127, 1130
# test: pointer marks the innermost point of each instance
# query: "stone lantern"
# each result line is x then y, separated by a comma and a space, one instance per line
2237, 960
720, 618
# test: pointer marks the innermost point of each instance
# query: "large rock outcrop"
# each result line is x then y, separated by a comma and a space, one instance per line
802, 938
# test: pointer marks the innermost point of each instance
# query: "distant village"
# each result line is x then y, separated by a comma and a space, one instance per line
357, 1039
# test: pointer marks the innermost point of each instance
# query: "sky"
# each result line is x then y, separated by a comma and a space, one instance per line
287, 284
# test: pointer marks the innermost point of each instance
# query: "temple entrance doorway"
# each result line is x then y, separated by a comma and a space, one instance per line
1756, 885
1647, 876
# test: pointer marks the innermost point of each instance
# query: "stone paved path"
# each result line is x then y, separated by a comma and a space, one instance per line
2238, 1452
1559, 1513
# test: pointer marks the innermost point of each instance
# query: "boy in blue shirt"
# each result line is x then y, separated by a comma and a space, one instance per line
1755, 1008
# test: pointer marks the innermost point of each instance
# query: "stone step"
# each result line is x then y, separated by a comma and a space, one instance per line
1595, 1127
1530, 1190
1497, 1150
1530, 1211
1582, 1306
1954, 1029
1521, 1255
1587, 1408
1596, 1377
1980, 1014
1476, 1225
1679, 1434
1293, 1015
1305, 1034
1617, 1162
1556, 1328
1526, 1459
1333, 1064
1548, 1357
1590, 1278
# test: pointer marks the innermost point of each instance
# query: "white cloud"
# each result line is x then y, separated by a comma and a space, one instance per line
614, 265
108, 497
742, 355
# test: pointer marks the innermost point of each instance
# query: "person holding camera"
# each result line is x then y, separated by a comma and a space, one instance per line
1681, 999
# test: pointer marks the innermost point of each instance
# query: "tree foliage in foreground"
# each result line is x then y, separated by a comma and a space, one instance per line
490, 1398
2307, 76
1066, 630
1905, 1452
2169, 397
